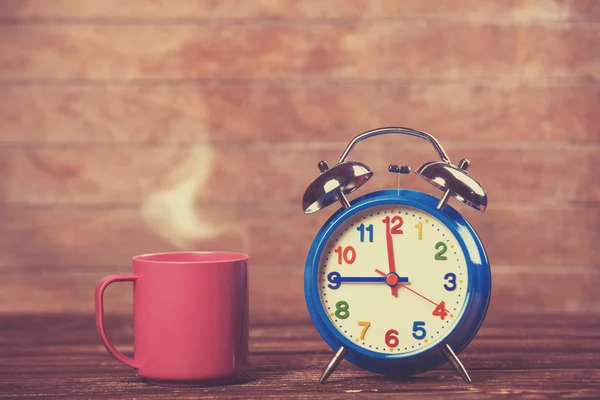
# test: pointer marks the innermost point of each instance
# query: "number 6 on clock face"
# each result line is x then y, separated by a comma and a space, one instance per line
435, 263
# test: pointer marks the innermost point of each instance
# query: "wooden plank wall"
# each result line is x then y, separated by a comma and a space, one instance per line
153, 125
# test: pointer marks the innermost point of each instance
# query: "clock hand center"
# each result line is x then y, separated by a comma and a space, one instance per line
392, 278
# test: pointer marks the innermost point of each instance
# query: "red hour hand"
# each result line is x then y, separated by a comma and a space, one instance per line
390, 254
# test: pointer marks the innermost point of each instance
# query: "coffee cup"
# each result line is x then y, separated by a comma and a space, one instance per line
190, 313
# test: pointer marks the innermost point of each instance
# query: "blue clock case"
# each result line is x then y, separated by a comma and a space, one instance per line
478, 290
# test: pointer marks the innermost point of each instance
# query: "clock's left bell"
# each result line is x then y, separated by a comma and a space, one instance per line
333, 184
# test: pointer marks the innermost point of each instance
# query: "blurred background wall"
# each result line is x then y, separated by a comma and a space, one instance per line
152, 125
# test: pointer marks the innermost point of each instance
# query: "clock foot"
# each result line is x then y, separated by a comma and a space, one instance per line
456, 364
333, 364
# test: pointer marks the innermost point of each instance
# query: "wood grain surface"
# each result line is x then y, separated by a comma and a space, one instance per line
488, 112
152, 125
60, 356
510, 10
353, 50
279, 174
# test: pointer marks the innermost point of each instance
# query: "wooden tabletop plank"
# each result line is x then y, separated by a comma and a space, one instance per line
60, 356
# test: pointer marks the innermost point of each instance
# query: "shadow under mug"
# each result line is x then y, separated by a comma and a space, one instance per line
190, 316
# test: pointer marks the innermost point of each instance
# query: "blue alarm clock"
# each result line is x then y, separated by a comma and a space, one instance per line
396, 282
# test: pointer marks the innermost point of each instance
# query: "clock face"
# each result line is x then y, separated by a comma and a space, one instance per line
393, 280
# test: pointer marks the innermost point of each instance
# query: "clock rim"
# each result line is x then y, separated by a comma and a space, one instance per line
478, 291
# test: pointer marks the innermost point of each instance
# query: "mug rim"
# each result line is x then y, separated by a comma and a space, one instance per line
228, 256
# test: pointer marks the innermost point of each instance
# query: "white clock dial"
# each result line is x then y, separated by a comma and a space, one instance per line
405, 311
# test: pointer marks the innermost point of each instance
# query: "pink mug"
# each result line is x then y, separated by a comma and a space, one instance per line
190, 316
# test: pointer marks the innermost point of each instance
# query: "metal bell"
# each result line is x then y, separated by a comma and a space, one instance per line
333, 184
455, 181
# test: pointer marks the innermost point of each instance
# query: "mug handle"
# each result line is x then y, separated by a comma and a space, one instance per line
102, 285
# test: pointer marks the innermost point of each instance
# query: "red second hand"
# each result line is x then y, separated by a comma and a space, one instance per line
420, 295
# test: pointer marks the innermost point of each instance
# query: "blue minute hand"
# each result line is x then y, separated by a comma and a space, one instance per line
336, 279
360, 279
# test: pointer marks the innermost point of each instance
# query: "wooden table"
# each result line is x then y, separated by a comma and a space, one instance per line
60, 356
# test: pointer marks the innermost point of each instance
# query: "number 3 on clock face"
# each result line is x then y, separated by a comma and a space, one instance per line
434, 261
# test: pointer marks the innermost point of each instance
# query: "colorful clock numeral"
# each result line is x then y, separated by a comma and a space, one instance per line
419, 227
440, 254
365, 326
333, 278
341, 310
451, 278
391, 338
347, 254
419, 331
361, 228
394, 230
440, 310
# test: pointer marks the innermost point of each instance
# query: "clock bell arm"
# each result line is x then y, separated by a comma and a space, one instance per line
341, 197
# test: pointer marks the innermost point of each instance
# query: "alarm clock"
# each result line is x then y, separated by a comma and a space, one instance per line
396, 282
